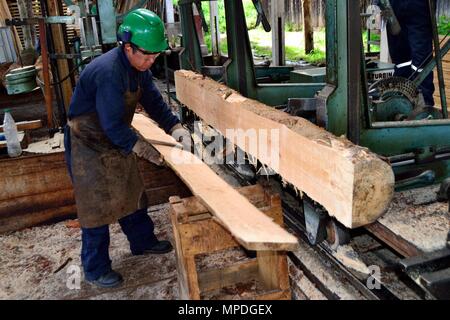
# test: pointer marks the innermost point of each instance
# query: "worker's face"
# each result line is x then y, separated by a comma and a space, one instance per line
138, 59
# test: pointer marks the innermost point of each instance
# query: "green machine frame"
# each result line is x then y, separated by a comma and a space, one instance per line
419, 150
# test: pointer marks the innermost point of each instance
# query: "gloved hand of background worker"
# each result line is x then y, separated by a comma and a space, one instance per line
148, 152
183, 136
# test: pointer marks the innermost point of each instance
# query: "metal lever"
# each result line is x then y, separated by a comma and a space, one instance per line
261, 16
424, 179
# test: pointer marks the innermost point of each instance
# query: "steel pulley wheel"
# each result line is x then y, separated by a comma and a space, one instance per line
395, 86
337, 234
21, 73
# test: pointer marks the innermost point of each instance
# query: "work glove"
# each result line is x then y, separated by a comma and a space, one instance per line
183, 136
146, 151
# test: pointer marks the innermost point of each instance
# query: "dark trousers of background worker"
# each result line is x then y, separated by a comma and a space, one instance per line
412, 48
138, 227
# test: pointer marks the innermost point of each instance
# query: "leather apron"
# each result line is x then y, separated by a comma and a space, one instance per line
107, 183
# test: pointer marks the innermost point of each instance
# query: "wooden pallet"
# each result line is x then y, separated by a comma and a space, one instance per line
196, 232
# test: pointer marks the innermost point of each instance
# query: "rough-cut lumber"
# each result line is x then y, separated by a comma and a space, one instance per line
251, 228
37, 189
34, 189
353, 184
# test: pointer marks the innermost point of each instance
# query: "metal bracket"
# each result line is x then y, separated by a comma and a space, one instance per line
315, 222
431, 271
262, 18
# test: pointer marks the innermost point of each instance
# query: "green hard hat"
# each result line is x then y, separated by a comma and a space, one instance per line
144, 29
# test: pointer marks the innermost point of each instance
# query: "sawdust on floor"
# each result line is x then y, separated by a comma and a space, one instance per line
419, 218
38, 262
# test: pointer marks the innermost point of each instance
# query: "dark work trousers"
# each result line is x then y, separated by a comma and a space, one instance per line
412, 48
138, 227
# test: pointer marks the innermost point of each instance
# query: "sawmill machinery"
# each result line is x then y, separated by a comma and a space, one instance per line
97, 25
387, 116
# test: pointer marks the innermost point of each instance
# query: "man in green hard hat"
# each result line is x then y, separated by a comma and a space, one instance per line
101, 147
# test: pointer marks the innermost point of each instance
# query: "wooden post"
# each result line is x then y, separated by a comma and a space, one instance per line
307, 26
23, 11
60, 47
46, 73
215, 32
278, 40
197, 233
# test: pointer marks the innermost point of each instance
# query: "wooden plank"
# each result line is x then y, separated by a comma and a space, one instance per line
192, 278
352, 183
47, 180
218, 278
181, 270
35, 189
272, 268
37, 217
394, 241
205, 236
26, 125
254, 193
15, 207
249, 226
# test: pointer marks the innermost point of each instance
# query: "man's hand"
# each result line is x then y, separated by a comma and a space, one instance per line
146, 151
183, 136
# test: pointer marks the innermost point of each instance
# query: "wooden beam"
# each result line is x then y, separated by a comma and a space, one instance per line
352, 183
218, 278
394, 241
250, 227
60, 48
26, 125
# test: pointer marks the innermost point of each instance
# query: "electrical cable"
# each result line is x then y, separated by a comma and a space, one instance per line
84, 61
